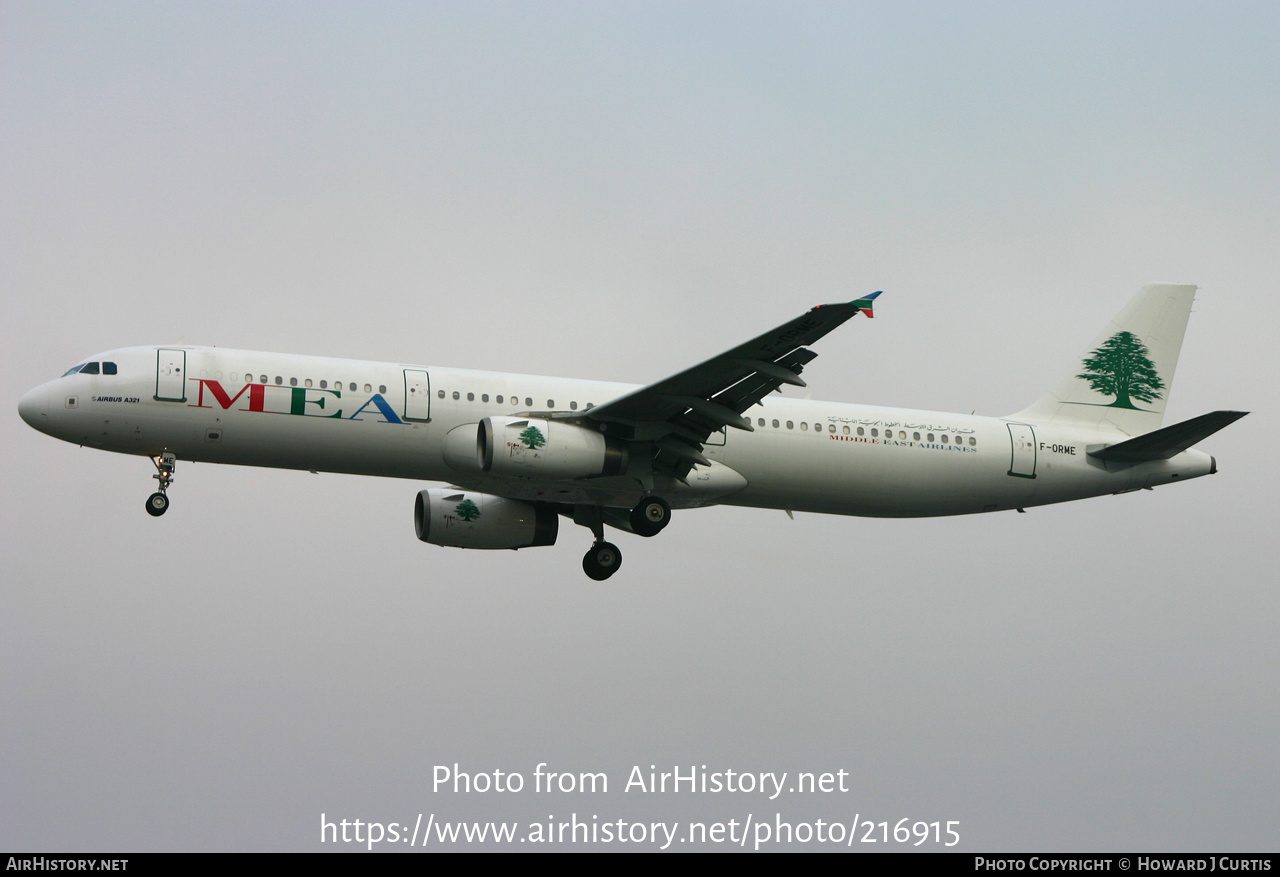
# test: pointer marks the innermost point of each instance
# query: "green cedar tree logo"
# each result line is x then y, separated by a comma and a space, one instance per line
1121, 368
467, 510
533, 438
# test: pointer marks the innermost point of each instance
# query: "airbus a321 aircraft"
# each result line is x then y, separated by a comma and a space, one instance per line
519, 452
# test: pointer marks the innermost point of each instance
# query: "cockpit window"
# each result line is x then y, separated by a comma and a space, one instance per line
90, 368
74, 369
108, 368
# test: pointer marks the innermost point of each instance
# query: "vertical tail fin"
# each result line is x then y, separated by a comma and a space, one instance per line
1122, 381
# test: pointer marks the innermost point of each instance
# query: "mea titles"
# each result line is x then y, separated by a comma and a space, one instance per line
696, 779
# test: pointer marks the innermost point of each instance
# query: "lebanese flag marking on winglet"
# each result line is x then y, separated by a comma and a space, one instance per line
864, 304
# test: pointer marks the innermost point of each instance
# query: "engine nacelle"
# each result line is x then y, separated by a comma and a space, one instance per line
466, 519
524, 447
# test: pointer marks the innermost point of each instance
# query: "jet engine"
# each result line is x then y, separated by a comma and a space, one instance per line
525, 447
466, 519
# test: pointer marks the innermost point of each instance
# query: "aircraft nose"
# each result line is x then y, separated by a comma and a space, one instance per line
34, 408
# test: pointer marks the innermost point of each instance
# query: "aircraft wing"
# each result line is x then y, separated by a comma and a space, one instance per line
679, 413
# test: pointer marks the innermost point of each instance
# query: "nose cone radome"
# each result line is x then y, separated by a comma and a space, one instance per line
34, 408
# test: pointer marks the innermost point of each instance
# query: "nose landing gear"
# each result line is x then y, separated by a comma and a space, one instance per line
158, 502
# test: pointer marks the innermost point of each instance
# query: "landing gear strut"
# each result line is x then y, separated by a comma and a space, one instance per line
158, 502
604, 558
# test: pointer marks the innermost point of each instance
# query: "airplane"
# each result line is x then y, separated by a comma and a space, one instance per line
519, 452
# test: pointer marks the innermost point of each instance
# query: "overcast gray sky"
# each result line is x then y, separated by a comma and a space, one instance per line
618, 191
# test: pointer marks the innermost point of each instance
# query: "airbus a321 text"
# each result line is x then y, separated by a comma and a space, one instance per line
520, 452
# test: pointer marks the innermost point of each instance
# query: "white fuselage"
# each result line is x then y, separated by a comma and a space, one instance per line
371, 418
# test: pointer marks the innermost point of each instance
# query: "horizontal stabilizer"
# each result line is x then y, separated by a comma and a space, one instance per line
1169, 441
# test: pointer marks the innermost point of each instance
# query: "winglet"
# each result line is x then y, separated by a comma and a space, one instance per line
864, 304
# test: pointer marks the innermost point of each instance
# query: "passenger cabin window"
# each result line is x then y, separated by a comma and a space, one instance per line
573, 406
471, 397
324, 385
307, 382
293, 382
264, 379
484, 397
382, 388
353, 386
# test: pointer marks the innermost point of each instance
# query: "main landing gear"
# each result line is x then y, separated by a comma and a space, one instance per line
650, 515
158, 502
603, 560
648, 518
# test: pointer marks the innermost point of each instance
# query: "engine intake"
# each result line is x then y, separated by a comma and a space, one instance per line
465, 519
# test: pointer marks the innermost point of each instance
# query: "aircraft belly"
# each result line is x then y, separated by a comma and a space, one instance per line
613, 492
704, 485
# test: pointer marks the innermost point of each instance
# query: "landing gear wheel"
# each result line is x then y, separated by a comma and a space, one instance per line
602, 561
157, 504
650, 515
